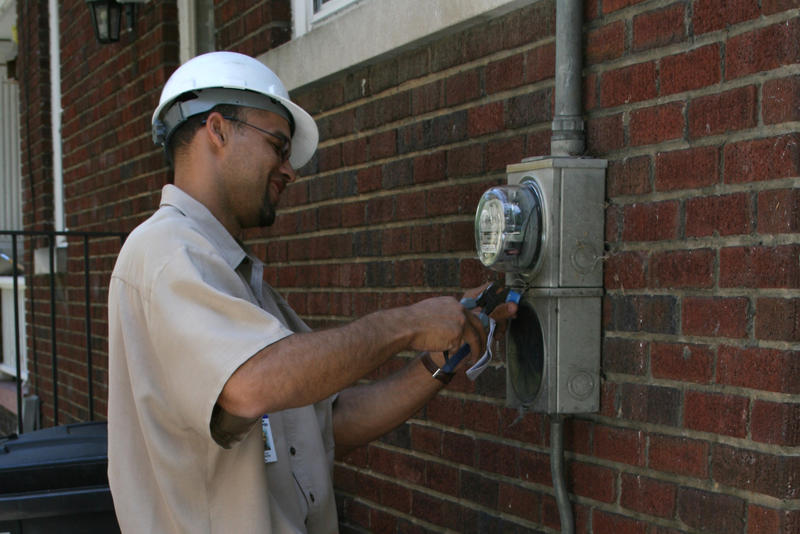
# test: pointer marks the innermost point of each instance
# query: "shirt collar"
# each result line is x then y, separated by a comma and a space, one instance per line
228, 247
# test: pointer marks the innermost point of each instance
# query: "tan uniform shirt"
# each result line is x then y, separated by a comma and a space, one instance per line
186, 309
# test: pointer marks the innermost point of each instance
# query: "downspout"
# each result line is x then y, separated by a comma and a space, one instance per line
55, 120
568, 139
568, 131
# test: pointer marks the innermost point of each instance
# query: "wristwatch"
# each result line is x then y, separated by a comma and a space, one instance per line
442, 376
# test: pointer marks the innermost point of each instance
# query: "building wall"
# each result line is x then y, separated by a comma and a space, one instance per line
694, 104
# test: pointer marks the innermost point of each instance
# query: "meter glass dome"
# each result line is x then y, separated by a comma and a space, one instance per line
508, 227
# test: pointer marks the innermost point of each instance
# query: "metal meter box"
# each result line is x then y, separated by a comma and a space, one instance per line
572, 191
545, 230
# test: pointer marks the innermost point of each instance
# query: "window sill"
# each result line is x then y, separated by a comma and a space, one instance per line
373, 29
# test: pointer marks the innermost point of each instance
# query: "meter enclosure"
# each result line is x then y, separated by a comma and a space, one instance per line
544, 229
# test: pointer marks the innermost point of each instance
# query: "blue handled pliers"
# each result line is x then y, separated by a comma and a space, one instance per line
488, 300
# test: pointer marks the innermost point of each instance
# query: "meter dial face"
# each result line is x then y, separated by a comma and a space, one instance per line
491, 226
508, 227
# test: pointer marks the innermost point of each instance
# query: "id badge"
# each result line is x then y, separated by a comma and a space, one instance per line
270, 455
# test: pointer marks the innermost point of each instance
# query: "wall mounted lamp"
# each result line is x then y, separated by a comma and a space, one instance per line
107, 18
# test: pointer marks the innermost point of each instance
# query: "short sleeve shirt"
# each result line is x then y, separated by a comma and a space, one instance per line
187, 307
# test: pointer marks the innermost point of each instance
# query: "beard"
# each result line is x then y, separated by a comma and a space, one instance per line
266, 215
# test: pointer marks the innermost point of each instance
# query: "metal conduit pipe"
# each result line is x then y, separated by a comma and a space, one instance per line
557, 471
568, 129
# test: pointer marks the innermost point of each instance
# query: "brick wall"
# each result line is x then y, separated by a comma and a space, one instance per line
695, 105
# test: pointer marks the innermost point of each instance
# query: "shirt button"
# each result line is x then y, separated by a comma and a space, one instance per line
312, 496
292, 451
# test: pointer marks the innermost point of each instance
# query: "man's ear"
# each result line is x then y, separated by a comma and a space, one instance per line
217, 129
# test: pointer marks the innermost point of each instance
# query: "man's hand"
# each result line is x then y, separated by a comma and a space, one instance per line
501, 314
443, 324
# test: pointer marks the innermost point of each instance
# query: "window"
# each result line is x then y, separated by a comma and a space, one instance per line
8, 357
307, 13
195, 27
362, 30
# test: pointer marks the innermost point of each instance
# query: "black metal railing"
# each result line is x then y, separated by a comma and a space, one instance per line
52, 242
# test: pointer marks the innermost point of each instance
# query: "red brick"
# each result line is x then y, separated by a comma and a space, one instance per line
762, 159
659, 27
459, 448
504, 74
369, 179
440, 477
724, 112
775, 423
711, 15
619, 445
483, 417
628, 84
429, 167
605, 134
650, 404
718, 215
626, 356
691, 70
641, 313
682, 268
779, 211
679, 455
769, 474
781, 100
686, 363
485, 119
498, 458
716, 413
464, 161
447, 410
603, 521
778, 319
714, 513
520, 502
540, 63
687, 169
402, 466
534, 467
625, 270
614, 222
605, 43
427, 98
763, 49
762, 369
609, 6
630, 176
501, 152
760, 267
770, 7
650, 222
715, 316
760, 520
592, 481
656, 124
462, 87
648, 496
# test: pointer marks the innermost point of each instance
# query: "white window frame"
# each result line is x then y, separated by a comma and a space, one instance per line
304, 18
8, 356
362, 30
193, 39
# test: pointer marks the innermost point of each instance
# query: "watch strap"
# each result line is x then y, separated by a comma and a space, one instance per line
442, 376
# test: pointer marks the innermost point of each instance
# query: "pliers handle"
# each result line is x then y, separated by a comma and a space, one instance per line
488, 300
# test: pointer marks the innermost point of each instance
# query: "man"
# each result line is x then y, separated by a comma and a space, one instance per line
225, 410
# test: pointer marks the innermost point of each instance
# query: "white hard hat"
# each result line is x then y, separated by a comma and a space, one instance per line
231, 78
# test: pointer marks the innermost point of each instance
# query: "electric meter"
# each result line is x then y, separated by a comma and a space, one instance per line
508, 227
